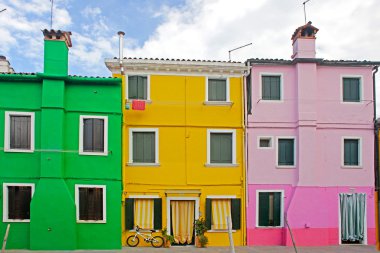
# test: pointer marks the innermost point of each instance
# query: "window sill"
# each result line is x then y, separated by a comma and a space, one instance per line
147, 101
263, 227
352, 167
93, 153
271, 101
144, 164
285, 166
15, 220
19, 150
92, 221
220, 231
218, 103
221, 165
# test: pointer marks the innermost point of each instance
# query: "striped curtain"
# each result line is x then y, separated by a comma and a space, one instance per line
352, 211
182, 220
143, 213
221, 208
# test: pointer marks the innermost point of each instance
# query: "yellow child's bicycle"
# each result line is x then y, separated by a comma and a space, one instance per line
156, 241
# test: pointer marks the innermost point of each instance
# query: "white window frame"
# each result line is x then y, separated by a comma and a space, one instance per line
77, 186
361, 90
281, 75
294, 152
143, 130
5, 200
228, 101
281, 212
7, 127
105, 135
233, 132
147, 87
220, 197
270, 138
360, 157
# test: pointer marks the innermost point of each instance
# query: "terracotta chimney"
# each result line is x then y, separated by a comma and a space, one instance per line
304, 41
5, 66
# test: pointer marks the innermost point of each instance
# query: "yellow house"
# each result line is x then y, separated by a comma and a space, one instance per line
183, 147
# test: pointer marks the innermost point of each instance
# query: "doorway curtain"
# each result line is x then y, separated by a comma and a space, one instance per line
352, 216
182, 220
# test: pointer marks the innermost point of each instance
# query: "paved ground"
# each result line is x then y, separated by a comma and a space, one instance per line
257, 249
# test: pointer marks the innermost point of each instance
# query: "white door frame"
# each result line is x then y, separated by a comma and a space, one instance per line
365, 220
168, 213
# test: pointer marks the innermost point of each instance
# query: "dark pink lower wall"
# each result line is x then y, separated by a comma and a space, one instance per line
313, 215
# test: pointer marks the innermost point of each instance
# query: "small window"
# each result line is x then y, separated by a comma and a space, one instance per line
217, 211
217, 90
143, 146
285, 152
138, 87
270, 209
221, 147
17, 198
351, 152
93, 135
271, 87
90, 202
351, 89
19, 131
265, 142
144, 212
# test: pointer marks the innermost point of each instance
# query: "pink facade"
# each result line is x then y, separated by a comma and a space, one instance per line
310, 111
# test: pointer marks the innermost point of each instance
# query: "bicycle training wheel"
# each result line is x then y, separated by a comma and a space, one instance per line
157, 241
132, 241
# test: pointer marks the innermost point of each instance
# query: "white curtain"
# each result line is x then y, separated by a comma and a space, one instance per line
352, 216
182, 213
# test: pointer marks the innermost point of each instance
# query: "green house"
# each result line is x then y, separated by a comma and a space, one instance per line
60, 156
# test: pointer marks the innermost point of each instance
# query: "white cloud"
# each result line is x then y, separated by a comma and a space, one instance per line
90, 12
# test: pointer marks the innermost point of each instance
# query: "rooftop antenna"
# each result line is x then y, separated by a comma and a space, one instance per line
304, 9
229, 51
3, 10
51, 14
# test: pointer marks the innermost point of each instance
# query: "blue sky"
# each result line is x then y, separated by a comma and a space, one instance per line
186, 29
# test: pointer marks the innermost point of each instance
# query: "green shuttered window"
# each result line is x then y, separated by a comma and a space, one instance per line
93, 135
271, 87
235, 213
285, 152
138, 87
130, 209
217, 90
351, 89
221, 147
269, 208
351, 152
144, 147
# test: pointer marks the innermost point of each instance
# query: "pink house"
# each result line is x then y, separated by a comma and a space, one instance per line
310, 149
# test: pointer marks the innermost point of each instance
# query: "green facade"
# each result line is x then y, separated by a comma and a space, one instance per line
55, 166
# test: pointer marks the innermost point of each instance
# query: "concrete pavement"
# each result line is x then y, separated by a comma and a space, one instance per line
256, 249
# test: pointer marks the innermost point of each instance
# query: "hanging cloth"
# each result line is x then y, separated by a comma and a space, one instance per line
221, 208
352, 211
182, 213
143, 213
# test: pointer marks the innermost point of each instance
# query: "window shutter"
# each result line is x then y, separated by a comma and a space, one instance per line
265, 88
129, 214
208, 213
20, 132
149, 148
249, 94
286, 152
263, 208
277, 209
157, 214
88, 134
214, 148
275, 88
226, 148
132, 87
98, 135
236, 213
83, 203
12, 212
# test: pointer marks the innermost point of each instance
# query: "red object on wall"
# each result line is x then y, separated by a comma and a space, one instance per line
138, 105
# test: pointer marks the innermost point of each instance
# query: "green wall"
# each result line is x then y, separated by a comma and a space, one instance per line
56, 166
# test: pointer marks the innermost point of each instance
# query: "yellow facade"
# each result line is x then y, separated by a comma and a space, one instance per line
177, 110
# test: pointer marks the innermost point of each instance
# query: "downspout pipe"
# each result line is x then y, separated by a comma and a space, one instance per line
375, 69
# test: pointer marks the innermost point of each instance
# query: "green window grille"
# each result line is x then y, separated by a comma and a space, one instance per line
217, 90
221, 148
286, 152
269, 209
351, 89
144, 147
271, 87
351, 152
137, 87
